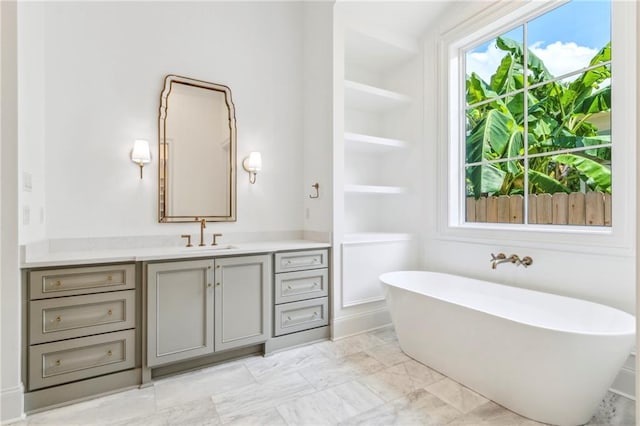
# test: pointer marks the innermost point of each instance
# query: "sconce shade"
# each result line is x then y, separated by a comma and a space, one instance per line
141, 153
253, 164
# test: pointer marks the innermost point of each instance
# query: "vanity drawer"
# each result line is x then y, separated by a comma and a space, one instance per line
73, 281
302, 285
301, 260
298, 316
77, 316
69, 360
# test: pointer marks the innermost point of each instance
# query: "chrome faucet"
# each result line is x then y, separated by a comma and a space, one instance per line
203, 224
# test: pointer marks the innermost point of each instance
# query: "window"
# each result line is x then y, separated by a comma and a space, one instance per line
537, 141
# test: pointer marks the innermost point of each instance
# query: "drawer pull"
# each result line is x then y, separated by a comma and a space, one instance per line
109, 353
110, 312
289, 318
209, 285
58, 318
58, 283
109, 278
58, 362
315, 260
315, 284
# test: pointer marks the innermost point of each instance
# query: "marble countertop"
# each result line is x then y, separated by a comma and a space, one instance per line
84, 257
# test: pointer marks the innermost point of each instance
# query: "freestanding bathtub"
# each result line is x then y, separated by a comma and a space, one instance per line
549, 358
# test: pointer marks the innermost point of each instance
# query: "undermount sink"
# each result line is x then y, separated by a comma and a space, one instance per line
209, 247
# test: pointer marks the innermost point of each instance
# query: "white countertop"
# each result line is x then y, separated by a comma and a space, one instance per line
67, 258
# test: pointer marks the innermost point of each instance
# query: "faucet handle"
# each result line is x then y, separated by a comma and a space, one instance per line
215, 242
188, 237
526, 261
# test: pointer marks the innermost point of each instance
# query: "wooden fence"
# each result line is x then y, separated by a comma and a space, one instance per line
576, 208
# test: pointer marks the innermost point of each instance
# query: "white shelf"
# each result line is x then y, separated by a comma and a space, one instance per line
373, 189
375, 237
374, 99
367, 143
378, 52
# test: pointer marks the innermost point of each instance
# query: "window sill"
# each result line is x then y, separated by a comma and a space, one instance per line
574, 239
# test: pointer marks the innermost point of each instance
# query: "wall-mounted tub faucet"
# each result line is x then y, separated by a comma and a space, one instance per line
514, 258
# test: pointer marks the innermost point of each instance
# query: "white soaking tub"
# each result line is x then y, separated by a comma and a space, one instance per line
549, 358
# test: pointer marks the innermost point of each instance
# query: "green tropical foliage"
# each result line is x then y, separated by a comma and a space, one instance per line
559, 117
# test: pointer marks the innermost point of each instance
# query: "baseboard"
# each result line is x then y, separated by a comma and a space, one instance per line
350, 325
625, 382
11, 405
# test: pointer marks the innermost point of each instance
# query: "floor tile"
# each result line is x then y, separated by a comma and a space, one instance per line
389, 354
417, 408
399, 380
386, 334
349, 345
101, 411
268, 417
363, 379
334, 372
330, 406
203, 383
492, 414
455, 394
260, 396
284, 362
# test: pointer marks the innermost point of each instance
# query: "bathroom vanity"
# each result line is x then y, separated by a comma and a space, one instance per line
97, 322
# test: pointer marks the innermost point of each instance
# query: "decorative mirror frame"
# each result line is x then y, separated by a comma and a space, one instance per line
162, 164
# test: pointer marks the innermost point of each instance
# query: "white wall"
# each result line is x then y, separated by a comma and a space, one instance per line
96, 86
604, 276
10, 382
318, 110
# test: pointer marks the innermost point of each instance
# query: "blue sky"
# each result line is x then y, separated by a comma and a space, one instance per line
585, 22
565, 38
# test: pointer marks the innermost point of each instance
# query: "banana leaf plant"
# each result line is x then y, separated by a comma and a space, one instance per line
559, 116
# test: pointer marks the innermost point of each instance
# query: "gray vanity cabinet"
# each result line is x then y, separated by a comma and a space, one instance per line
198, 307
179, 310
242, 301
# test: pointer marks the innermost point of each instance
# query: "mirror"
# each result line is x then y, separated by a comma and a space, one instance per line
197, 152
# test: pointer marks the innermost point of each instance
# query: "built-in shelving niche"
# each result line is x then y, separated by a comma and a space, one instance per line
379, 149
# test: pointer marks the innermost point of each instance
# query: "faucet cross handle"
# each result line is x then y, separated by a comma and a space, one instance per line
215, 241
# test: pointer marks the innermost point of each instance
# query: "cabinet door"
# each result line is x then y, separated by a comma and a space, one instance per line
242, 301
179, 310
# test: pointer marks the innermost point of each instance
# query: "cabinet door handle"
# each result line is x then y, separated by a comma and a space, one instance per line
218, 284
209, 285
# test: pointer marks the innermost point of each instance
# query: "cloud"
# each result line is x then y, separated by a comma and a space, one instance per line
560, 58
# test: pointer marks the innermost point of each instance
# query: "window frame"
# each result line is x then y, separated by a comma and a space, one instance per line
491, 22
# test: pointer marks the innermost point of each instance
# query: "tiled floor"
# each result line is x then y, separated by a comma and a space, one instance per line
365, 379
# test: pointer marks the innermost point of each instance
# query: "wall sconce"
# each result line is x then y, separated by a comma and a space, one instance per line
140, 154
253, 164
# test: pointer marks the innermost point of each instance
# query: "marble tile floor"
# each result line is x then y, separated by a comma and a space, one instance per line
361, 380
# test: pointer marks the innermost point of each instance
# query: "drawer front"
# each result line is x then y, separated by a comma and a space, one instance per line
61, 362
77, 316
301, 260
73, 281
302, 285
298, 316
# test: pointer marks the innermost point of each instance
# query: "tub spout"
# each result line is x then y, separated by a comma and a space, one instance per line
497, 259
